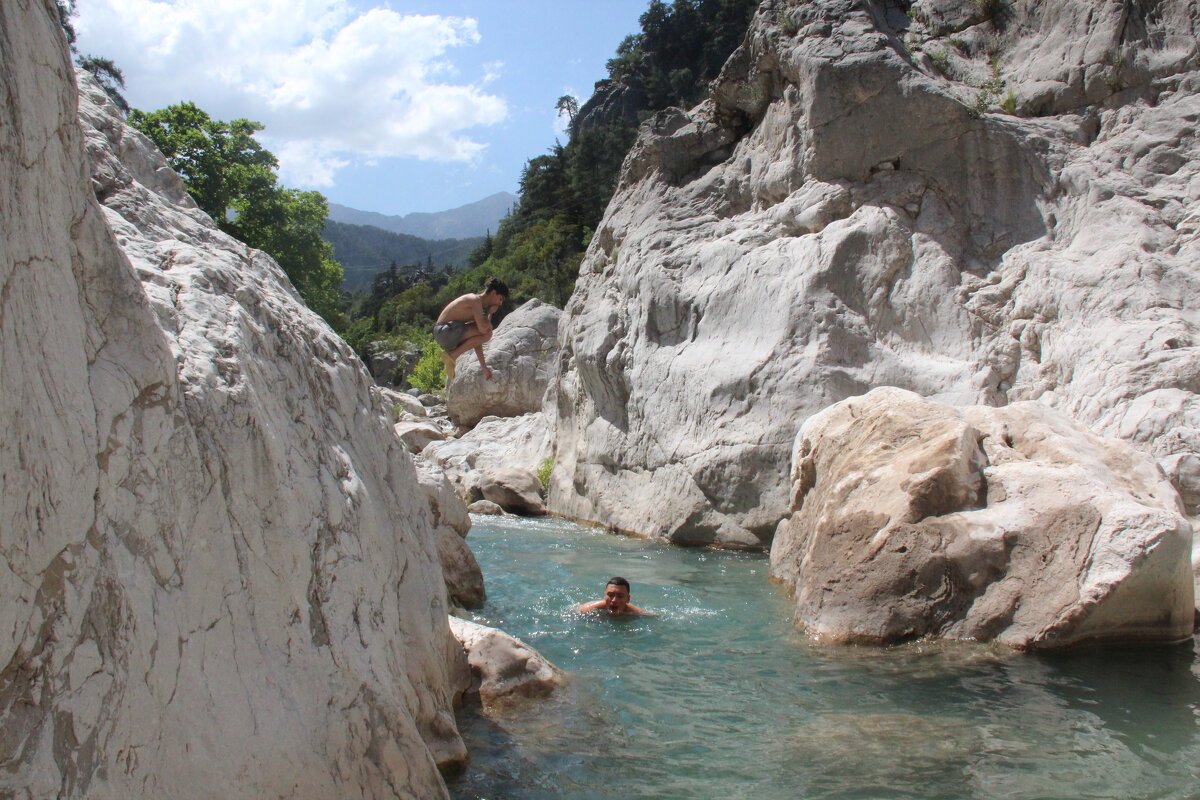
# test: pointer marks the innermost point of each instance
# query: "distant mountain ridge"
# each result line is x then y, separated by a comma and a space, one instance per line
366, 250
464, 222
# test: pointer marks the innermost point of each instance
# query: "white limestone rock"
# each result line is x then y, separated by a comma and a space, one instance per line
834, 219
402, 403
218, 569
504, 666
916, 519
485, 507
416, 434
514, 489
452, 523
495, 443
523, 354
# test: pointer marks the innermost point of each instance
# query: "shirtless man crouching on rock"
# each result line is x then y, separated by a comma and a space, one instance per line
465, 323
616, 601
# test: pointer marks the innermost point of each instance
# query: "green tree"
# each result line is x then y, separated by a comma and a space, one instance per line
569, 106
232, 178
109, 76
66, 10
220, 162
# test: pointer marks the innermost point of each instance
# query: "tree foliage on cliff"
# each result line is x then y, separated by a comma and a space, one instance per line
670, 62
538, 247
232, 178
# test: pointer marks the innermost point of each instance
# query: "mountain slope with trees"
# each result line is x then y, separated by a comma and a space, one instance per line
538, 247
365, 250
465, 222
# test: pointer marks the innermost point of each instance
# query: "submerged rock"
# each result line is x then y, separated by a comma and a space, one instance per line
504, 666
912, 518
836, 218
219, 573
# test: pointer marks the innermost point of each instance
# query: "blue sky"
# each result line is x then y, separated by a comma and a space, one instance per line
393, 107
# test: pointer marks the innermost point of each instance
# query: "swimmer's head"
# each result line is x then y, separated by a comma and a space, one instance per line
616, 595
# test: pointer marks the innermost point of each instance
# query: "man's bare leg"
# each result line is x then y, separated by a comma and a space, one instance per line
468, 343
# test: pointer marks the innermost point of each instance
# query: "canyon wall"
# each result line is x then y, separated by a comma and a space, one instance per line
218, 572
978, 207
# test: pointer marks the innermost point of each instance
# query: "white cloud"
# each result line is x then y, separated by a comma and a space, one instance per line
333, 84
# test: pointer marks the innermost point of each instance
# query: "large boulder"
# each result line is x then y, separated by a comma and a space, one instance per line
452, 522
836, 218
523, 353
912, 518
503, 665
513, 489
218, 572
494, 445
418, 433
402, 403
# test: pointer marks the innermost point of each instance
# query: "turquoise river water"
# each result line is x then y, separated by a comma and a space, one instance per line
718, 697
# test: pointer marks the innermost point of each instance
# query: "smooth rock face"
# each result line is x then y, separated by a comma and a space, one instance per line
522, 354
494, 444
218, 569
513, 489
402, 402
485, 507
464, 578
913, 518
835, 219
417, 434
503, 665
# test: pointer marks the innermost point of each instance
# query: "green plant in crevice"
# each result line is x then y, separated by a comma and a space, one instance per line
990, 91
940, 59
1113, 75
429, 375
991, 10
1010, 103
788, 24
543, 472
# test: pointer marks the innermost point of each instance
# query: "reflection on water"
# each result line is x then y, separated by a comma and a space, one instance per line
718, 697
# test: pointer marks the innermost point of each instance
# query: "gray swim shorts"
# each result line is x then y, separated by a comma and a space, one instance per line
449, 334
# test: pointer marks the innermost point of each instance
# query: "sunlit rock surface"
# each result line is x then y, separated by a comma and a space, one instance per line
494, 445
912, 518
522, 354
217, 570
502, 665
840, 215
452, 523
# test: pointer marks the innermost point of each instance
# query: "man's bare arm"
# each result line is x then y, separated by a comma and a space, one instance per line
487, 371
483, 322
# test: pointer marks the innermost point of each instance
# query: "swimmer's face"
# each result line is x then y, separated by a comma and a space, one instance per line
616, 598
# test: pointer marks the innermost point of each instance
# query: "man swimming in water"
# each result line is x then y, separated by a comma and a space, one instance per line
616, 600
466, 323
